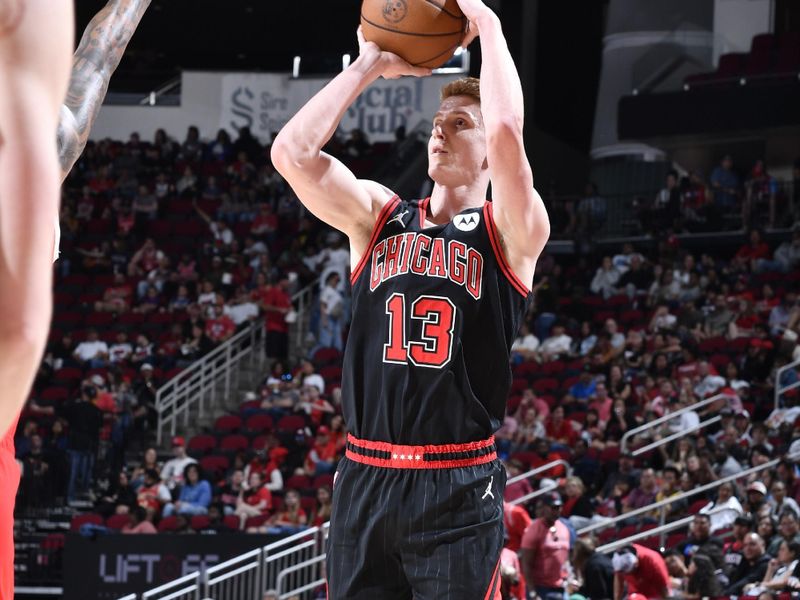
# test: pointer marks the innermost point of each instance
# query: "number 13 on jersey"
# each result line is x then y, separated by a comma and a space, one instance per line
435, 346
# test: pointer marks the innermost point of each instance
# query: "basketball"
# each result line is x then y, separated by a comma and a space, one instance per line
425, 33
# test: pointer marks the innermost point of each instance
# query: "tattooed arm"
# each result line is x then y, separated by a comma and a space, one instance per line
97, 57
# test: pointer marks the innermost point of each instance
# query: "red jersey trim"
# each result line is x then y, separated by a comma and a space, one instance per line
376, 230
423, 211
493, 593
494, 238
412, 457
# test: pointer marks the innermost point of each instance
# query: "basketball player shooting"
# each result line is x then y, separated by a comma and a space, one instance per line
439, 289
41, 137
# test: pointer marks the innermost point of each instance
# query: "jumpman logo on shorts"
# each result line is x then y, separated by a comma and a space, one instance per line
398, 218
488, 491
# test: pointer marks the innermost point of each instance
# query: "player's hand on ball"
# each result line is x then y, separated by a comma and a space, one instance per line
394, 67
473, 10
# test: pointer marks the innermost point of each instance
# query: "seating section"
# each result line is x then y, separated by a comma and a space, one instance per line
771, 58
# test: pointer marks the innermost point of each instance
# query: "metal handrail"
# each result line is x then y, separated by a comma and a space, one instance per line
541, 469
779, 391
675, 436
295, 568
190, 583
302, 300
660, 531
681, 496
189, 387
668, 417
536, 471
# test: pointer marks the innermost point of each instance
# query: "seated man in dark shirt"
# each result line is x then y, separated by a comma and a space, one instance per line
701, 540
752, 568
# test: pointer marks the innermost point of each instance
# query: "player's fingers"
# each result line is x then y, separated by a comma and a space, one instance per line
420, 72
360, 35
470, 35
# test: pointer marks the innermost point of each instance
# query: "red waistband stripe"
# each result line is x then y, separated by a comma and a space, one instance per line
443, 456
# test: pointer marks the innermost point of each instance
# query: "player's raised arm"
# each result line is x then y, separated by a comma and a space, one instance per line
36, 39
323, 184
97, 57
518, 209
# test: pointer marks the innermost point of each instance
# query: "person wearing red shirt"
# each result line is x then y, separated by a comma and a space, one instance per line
276, 304
516, 520
266, 222
153, 494
255, 501
643, 570
559, 429
520, 488
545, 550
756, 248
220, 327
543, 456
321, 458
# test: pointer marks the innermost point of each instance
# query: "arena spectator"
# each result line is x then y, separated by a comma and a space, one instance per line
322, 456
702, 581
525, 345
605, 279
195, 494
85, 422
516, 520
700, 541
138, 523
153, 494
516, 489
173, 472
332, 317
726, 499
577, 506
779, 501
254, 501
593, 570
725, 185
752, 568
780, 575
92, 352
642, 570
219, 326
556, 345
277, 304
788, 531
545, 550
322, 512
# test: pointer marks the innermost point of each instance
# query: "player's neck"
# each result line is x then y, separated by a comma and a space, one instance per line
447, 202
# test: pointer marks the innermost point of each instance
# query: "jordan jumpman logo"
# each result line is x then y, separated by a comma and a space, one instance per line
488, 491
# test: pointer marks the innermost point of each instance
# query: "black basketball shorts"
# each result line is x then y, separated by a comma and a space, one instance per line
416, 522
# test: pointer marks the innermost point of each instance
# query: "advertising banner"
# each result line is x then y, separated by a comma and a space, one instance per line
112, 566
265, 102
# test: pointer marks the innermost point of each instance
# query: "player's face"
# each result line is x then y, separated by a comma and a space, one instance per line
457, 146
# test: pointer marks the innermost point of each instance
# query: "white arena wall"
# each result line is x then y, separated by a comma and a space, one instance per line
265, 101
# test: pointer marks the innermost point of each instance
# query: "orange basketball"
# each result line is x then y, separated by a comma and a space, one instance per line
424, 33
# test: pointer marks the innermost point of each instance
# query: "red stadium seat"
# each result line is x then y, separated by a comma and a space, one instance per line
290, 423
548, 384
79, 520
168, 524
201, 445
331, 372
298, 482
258, 423
200, 522
695, 506
55, 394
321, 480
256, 521
259, 442
232, 522
325, 356
228, 423
308, 504
117, 521
234, 443
216, 465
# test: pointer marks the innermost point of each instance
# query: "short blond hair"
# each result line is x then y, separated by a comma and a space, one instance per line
466, 86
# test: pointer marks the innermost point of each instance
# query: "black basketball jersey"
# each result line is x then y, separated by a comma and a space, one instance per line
435, 311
